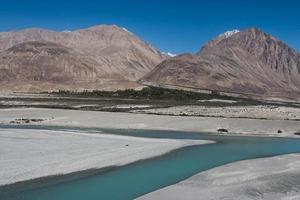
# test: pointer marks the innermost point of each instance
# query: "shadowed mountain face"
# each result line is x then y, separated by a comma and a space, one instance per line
249, 62
100, 57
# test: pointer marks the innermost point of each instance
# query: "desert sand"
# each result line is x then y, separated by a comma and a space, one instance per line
267, 178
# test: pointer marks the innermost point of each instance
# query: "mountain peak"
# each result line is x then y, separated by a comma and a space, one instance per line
249, 62
228, 34
169, 54
220, 38
126, 30
102, 54
255, 32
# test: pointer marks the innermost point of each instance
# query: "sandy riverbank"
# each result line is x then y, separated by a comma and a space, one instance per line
269, 178
254, 112
144, 121
60, 152
29, 154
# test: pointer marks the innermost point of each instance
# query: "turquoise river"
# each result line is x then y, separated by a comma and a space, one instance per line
133, 180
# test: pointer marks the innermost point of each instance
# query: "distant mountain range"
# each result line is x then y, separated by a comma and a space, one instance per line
100, 57
109, 57
248, 62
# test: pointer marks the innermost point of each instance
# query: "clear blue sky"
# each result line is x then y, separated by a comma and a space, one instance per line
170, 25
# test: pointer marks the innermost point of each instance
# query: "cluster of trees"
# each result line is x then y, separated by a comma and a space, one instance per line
145, 93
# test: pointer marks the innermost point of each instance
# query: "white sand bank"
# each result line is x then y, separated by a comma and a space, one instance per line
268, 179
253, 112
144, 121
219, 100
30, 154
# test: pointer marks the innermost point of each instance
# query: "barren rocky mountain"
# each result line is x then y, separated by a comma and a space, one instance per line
37, 65
250, 62
100, 57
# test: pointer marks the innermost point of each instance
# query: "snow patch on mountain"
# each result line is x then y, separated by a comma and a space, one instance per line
124, 29
169, 54
228, 34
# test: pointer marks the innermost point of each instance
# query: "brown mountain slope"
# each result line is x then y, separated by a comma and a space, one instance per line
31, 65
250, 62
111, 57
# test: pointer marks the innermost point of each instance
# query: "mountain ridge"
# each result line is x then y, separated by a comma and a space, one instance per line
250, 61
123, 56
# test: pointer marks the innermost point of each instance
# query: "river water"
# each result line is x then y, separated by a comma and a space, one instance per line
134, 180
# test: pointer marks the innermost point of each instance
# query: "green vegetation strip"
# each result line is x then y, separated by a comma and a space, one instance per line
147, 93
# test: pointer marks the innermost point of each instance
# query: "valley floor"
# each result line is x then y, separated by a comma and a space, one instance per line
244, 126
270, 112
270, 178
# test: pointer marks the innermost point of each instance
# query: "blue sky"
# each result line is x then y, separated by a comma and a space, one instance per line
175, 26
